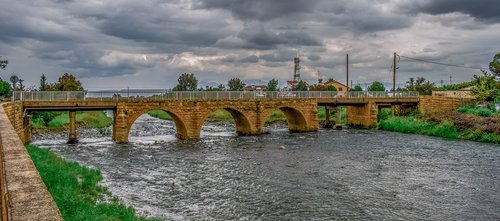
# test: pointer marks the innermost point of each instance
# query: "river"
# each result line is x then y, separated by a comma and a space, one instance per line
325, 175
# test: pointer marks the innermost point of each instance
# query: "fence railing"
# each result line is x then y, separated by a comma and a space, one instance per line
201, 95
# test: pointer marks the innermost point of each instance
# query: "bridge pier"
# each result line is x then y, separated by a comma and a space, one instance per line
338, 117
363, 115
73, 138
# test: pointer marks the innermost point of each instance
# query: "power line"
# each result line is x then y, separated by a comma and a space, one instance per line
439, 63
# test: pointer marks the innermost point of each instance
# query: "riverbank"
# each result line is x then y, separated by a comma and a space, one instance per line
222, 115
76, 189
60, 120
455, 125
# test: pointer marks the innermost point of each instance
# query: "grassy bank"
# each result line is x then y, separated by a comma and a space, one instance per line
222, 115
76, 191
445, 129
95, 119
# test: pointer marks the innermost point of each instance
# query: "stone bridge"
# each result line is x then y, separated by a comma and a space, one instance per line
189, 110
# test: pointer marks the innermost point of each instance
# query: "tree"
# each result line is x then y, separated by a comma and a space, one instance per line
43, 83
376, 86
4, 89
186, 82
318, 87
357, 88
219, 87
3, 63
301, 86
332, 88
67, 82
421, 85
495, 65
486, 88
272, 85
20, 86
235, 84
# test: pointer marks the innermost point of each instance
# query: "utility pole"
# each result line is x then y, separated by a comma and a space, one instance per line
394, 76
347, 70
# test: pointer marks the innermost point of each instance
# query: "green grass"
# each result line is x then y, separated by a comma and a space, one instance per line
220, 115
445, 129
480, 136
76, 189
478, 111
160, 114
95, 119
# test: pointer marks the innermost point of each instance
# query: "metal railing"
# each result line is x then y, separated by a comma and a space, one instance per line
201, 95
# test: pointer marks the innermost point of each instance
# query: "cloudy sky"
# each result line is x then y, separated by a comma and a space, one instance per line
147, 44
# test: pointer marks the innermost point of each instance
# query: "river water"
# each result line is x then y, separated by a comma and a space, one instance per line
326, 175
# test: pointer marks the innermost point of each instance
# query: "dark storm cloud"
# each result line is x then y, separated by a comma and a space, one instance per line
486, 10
142, 27
117, 38
262, 39
314, 57
260, 9
250, 59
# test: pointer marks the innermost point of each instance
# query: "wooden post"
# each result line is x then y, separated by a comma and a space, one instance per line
347, 71
394, 76
72, 128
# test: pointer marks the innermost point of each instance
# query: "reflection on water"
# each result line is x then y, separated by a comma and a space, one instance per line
347, 174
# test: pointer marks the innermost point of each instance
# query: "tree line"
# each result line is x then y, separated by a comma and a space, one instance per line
486, 87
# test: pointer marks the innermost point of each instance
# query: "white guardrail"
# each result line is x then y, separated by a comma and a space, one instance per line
200, 95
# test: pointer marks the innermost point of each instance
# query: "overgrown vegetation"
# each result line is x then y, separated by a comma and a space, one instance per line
76, 189
478, 111
470, 122
95, 119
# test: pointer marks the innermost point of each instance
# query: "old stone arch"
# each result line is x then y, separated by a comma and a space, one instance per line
180, 126
295, 118
244, 125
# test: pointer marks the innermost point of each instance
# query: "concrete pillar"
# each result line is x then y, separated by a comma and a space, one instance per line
338, 117
364, 115
72, 128
327, 122
120, 126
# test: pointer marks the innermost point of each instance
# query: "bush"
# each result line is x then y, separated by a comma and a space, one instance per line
405, 125
445, 129
384, 114
474, 110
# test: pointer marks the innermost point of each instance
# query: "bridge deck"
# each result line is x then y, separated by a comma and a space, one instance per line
106, 104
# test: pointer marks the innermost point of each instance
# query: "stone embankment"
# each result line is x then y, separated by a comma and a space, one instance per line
28, 198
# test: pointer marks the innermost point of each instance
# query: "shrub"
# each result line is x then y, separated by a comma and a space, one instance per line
445, 129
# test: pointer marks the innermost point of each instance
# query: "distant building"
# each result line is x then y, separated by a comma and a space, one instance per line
336, 84
256, 88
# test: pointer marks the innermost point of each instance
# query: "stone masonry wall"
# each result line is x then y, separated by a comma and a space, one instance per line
28, 196
189, 116
22, 126
433, 104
